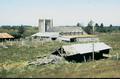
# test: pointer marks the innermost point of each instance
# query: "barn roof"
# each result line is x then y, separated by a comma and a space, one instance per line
84, 48
46, 34
5, 35
66, 29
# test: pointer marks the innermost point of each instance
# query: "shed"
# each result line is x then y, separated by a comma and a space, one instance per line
78, 38
51, 35
77, 52
5, 35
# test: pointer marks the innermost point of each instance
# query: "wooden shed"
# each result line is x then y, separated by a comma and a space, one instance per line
81, 52
4, 36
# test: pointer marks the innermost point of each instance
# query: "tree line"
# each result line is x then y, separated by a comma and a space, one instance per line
99, 28
20, 31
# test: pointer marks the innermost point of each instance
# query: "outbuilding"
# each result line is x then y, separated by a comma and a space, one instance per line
83, 52
5, 36
46, 35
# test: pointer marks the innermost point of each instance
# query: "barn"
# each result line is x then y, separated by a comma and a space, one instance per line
47, 30
67, 30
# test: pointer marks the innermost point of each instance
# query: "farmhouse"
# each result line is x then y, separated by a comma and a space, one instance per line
83, 52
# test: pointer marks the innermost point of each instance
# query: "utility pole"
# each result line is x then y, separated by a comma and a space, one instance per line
93, 54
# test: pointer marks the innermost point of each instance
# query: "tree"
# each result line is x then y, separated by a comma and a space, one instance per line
90, 24
101, 25
119, 28
102, 29
88, 29
79, 25
96, 25
110, 25
6, 27
110, 28
21, 30
16, 35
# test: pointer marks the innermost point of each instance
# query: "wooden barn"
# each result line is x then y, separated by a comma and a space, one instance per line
83, 52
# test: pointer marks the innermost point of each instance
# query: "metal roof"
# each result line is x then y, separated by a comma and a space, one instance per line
5, 35
66, 29
46, 34
78, 36
84, 48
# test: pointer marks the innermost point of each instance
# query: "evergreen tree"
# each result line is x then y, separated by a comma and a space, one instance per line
78, 24
89, 27
102, 29
101, 26
96, 25
110, 25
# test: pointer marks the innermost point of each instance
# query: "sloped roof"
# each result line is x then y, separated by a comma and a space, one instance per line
84, 48
78, 36
65, 29
47, 34
5, 35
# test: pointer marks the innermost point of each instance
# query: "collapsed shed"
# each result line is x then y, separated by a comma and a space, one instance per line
76, 52
81, 52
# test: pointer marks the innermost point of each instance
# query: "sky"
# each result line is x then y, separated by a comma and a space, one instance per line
63, 12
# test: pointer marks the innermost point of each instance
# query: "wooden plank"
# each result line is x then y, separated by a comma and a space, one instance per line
107, 55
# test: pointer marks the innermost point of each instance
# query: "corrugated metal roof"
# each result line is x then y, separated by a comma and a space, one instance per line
78, 36
47, 34
5, 35
84, 48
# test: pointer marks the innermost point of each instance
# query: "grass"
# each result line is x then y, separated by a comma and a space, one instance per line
14, 59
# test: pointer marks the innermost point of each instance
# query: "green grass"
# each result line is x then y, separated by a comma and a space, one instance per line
13, 62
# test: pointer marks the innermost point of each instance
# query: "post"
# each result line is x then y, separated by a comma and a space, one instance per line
84, 58
93, 54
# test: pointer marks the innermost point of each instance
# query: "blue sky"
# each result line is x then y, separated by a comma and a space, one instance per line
63, 12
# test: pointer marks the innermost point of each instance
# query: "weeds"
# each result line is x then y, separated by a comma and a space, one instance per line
17, 54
